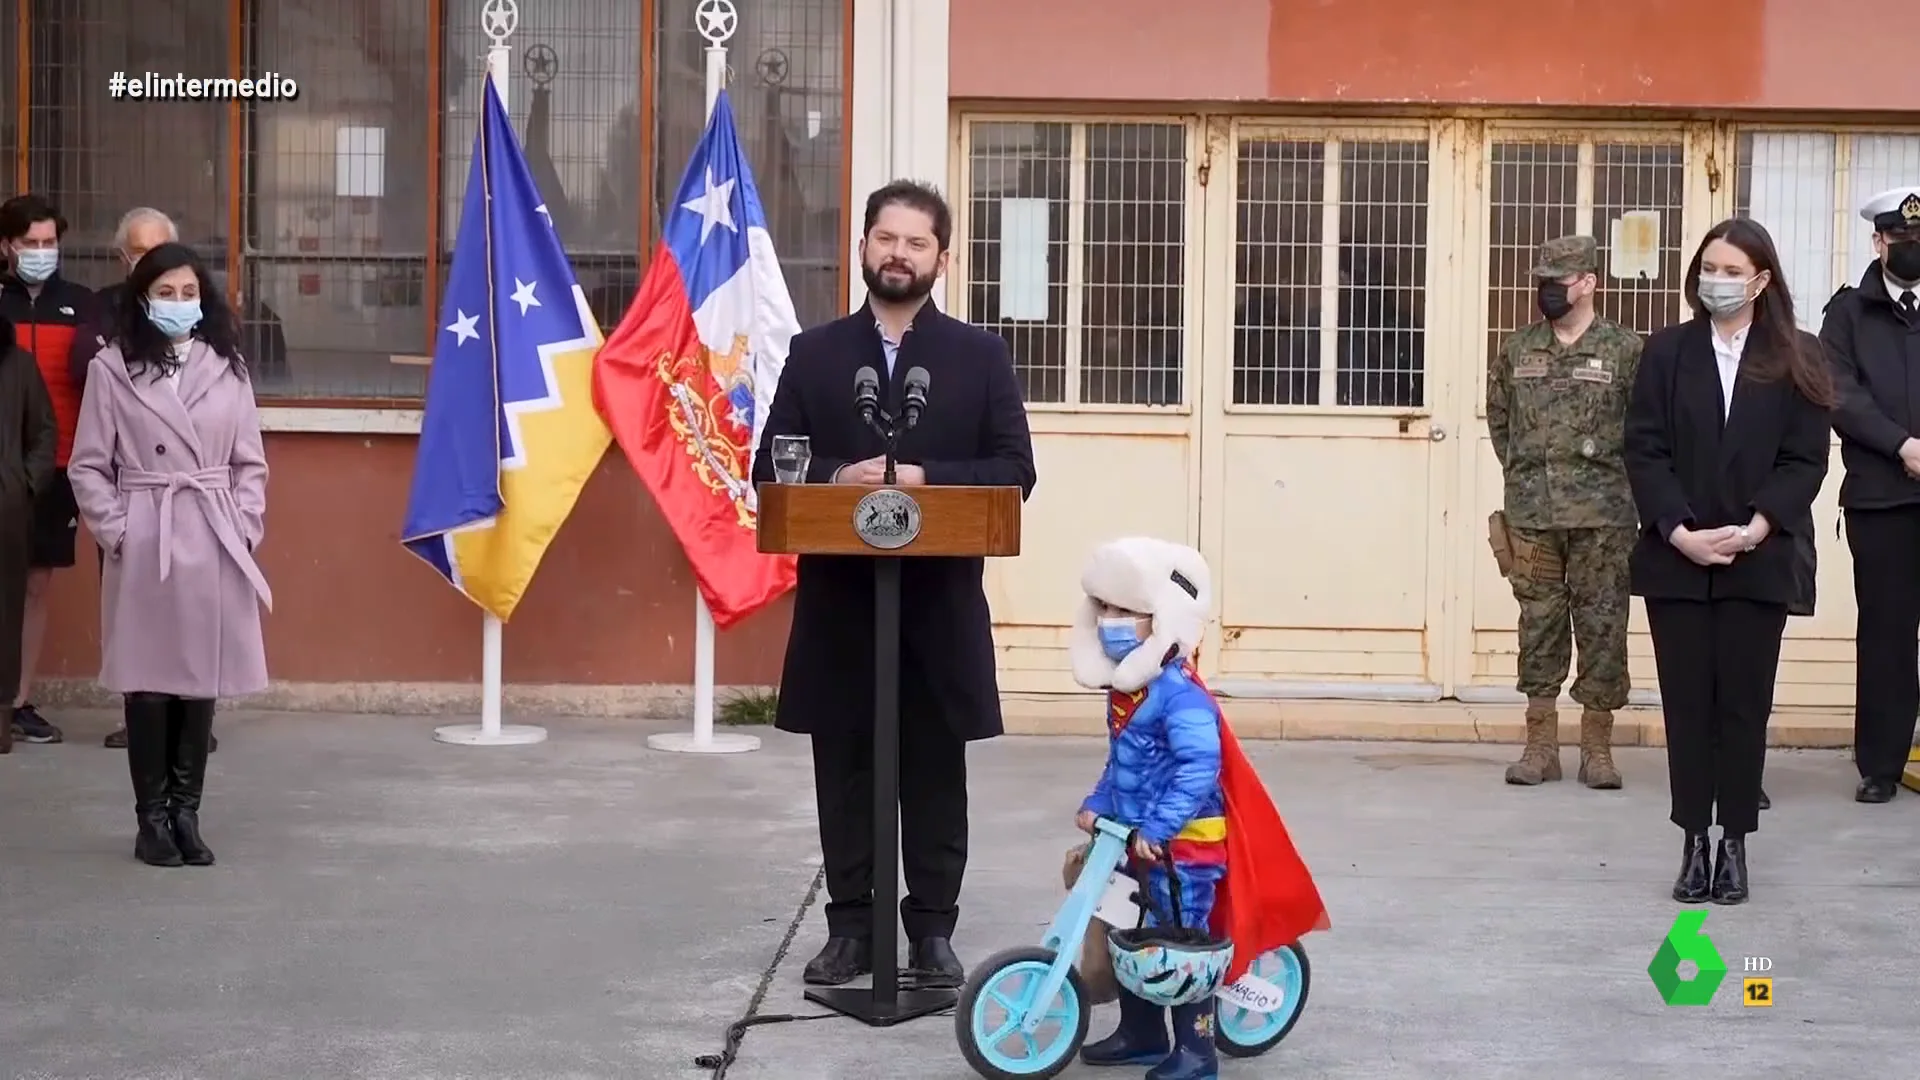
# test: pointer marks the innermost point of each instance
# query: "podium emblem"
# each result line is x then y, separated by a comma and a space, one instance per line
887, 519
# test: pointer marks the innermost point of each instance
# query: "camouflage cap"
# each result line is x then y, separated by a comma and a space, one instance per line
1565, 255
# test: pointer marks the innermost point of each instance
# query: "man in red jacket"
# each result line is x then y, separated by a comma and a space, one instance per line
46, 309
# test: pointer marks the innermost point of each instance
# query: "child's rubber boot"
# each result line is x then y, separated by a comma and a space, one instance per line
1193, 1057
1141, 1038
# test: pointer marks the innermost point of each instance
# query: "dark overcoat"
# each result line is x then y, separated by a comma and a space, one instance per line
974, 432
27, 443
1691, 466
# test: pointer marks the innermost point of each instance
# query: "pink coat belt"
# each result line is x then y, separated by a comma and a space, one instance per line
205, 482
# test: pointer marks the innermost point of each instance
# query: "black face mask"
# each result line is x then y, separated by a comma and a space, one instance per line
1552, 301
1903, 260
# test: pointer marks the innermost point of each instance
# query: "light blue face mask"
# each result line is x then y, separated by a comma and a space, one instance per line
1119, 637
36, 265
174, 318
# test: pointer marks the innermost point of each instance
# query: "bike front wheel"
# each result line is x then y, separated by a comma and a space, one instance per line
997, 1000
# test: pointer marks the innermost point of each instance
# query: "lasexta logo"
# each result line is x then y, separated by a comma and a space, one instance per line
1687, 941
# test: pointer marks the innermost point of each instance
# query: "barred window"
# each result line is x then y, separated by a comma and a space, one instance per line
787, 85
1330, 256
336, 212
1077, 255
574, 97
337, 193
1807, 187
96, 157
1629, 195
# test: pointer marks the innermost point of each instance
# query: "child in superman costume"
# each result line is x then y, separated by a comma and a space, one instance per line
1176, 774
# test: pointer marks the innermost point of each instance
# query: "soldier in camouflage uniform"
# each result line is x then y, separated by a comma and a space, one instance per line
1557, 395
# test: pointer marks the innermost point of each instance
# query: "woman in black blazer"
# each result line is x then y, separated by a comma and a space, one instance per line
1726, 448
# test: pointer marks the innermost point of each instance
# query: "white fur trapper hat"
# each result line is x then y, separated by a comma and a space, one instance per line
1167, 581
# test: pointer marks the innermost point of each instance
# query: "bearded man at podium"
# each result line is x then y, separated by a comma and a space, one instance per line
971, 430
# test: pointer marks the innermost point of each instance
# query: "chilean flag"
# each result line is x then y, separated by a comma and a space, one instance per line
686, 379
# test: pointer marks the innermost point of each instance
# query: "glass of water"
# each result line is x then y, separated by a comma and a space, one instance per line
792, 454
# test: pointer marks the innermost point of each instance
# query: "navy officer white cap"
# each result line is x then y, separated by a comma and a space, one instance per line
1896, 208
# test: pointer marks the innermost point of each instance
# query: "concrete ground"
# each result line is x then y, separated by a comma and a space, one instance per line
387, 907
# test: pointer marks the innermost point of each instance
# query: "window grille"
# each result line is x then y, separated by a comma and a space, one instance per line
1806, 187
1077, 252
1629, 194
1330, 264
335, 208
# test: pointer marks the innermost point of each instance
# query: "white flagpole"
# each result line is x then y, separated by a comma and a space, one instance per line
498, 19
716, 21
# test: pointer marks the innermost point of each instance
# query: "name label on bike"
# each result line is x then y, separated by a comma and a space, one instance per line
1117, 907
1254, 994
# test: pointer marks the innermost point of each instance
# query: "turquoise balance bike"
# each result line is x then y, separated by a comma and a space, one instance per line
1024, 1011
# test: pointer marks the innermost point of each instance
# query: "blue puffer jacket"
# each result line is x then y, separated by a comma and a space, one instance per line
1163, 760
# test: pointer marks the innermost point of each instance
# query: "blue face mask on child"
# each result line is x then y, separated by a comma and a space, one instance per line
174, 318
1119, 637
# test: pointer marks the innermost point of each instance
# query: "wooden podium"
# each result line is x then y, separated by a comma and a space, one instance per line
887, 524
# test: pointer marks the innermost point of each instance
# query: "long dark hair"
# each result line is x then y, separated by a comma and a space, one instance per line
142, 344
1779, 350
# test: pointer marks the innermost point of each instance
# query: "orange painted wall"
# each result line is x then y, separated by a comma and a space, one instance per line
1728, 54
613, 602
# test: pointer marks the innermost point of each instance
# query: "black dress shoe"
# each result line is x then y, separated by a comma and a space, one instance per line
1695, 883
1765, 803
1874, 791
1730, 871
843, 960
931, 964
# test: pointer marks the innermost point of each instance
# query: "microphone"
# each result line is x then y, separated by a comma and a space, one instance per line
916, 394
866, 393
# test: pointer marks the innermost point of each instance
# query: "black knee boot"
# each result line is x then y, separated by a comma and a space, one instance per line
190, 738
148, 766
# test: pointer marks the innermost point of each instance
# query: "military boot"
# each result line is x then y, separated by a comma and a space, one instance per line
1597, 769
1540, 761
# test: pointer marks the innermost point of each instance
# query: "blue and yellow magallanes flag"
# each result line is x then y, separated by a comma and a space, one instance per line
510, 433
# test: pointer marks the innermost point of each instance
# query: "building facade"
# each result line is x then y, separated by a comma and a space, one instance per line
1251, 259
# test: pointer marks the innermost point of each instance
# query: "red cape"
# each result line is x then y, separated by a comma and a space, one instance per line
1268, 898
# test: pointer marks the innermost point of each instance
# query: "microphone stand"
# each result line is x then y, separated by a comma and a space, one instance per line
890, 435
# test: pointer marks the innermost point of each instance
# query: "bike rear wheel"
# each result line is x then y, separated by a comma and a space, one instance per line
1242, 1033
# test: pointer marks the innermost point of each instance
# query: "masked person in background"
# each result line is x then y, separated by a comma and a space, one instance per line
27, 442
171, 476
141, 230
1556, 405
46, 310
1872, 335
1727, 447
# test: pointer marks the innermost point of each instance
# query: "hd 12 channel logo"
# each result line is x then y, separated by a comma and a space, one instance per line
1688, 941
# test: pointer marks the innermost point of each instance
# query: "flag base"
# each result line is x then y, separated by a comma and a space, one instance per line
478, 735
686, 742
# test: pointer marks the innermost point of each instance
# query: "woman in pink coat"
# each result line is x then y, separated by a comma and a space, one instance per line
171, 478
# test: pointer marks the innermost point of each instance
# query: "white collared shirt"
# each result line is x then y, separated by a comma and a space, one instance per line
1894, 289
1726, 354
